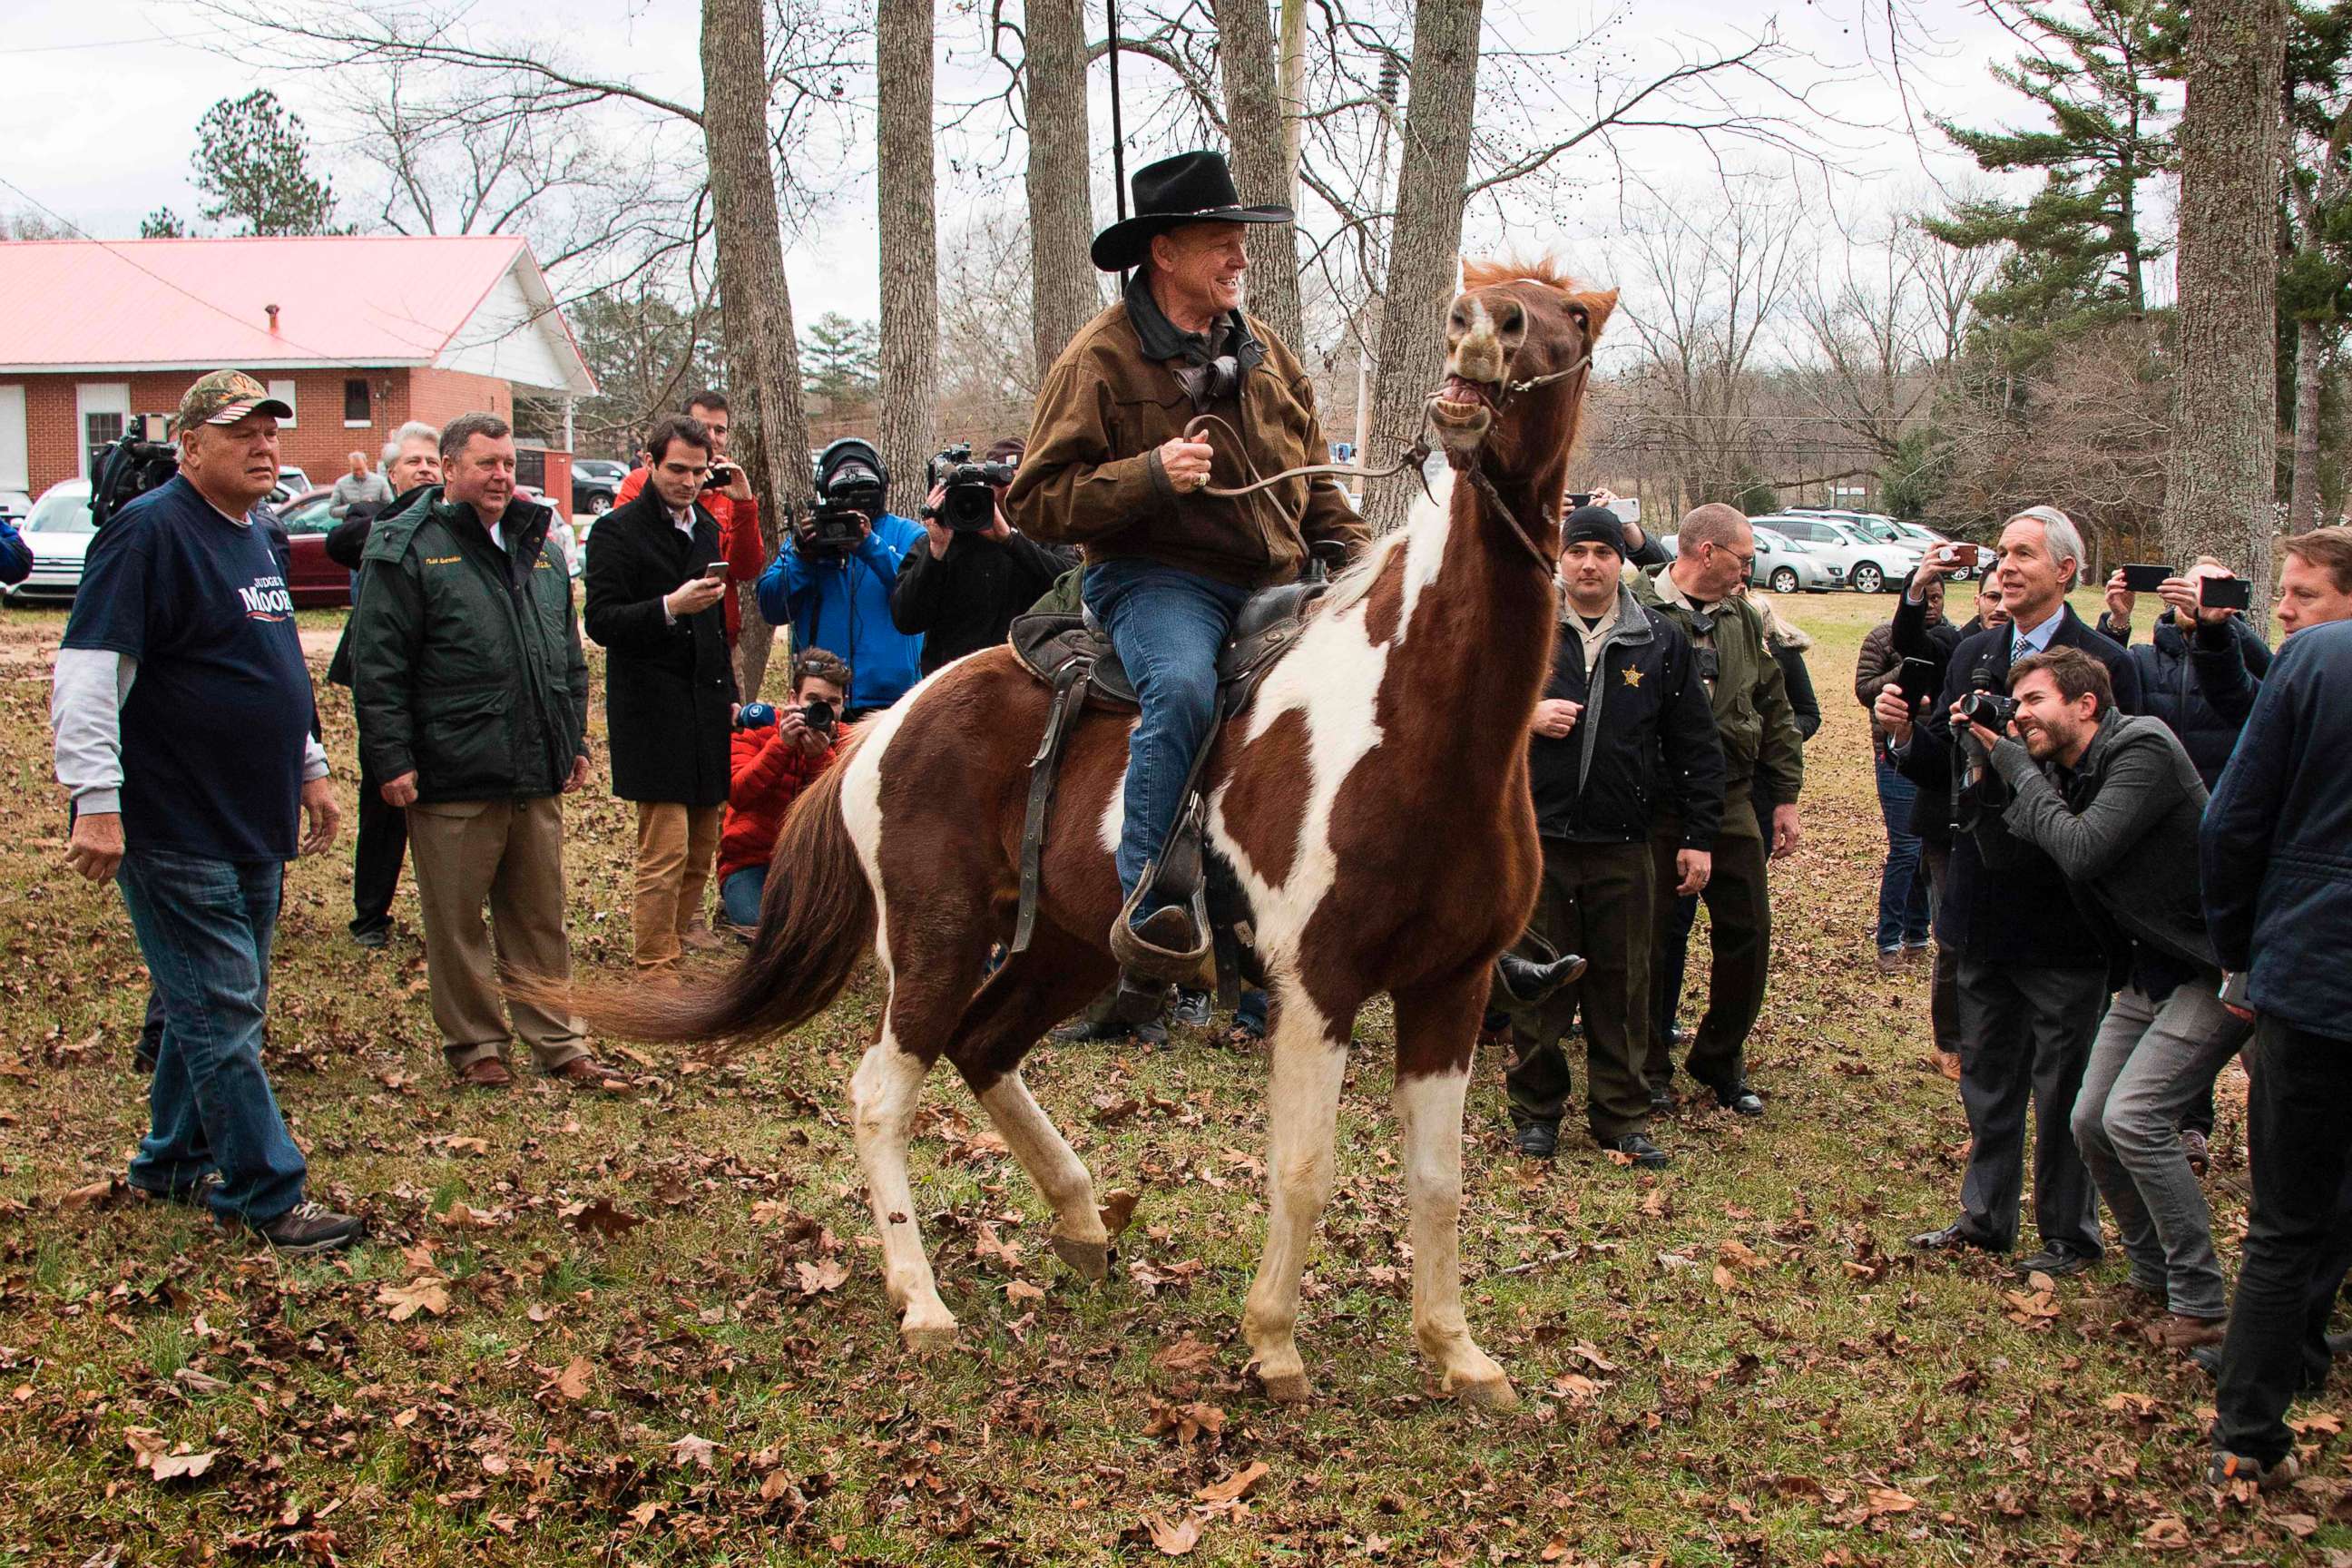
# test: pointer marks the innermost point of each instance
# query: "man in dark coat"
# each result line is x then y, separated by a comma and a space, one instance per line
656, 577
961, 589
472, 695
2190, 650
2032, 972
2278, 898
1624, 728
412, 465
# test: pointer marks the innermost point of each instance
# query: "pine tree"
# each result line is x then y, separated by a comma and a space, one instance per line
840, 359
162, 224
253, 159
2079, 247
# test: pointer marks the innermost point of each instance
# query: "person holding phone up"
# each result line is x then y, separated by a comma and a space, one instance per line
2195, 651
654, 579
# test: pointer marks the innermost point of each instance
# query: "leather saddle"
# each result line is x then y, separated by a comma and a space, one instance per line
1072, 655
1049, 645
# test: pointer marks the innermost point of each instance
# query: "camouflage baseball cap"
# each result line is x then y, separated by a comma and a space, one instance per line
224, 397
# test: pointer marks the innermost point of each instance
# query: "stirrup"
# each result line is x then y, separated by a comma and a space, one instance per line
1147, 960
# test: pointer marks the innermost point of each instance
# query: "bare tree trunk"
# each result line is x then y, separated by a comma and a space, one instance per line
1294, 97
1065, 291
1424, 255
909, 245
1253, 121
2220, 480
2302, 496
761, 348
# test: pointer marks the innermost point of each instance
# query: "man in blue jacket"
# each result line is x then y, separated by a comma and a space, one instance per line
2278, 898
838, 599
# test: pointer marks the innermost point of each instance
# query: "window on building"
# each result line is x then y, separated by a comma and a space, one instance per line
100, 431
284, 392
355, 402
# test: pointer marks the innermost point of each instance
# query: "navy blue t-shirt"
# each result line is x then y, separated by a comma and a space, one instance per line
213, 729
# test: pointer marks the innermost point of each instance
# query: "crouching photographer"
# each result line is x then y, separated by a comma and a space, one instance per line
831, 581
777, 754
2115, 800
960, 590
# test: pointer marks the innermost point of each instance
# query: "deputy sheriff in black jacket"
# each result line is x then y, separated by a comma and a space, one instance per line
1625, 728
654, 580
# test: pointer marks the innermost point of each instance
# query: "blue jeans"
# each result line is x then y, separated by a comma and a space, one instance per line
738, 895
1168, 626
205, 928
1903, 883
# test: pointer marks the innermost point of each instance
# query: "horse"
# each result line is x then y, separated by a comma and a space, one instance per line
1372, 799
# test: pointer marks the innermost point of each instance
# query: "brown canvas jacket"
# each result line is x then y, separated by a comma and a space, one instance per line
1092, 475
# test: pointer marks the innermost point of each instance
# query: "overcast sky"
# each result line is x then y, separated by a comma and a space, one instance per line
101, 96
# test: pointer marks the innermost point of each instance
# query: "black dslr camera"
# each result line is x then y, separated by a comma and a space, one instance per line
136, 464
818, 715
1985, 705
831, 531
969, 504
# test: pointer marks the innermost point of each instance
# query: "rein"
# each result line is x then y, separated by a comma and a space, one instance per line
1414, 457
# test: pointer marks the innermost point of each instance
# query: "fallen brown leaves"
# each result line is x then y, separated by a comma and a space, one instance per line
425, 1294
162, 1462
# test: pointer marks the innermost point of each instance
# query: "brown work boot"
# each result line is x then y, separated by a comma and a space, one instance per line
582, 1069
1890, 961
487, 1073
1943, 1064
2175, 1332
696, 938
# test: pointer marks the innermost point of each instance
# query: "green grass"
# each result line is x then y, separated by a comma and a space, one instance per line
1781, 1412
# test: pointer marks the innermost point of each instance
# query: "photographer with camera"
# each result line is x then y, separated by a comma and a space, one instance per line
2033, 974
833, 578
654, 583
778, 752
2115, 800
975, 571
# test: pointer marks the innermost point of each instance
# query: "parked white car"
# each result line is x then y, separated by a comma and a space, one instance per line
1786, 566
58, 532
1871, 565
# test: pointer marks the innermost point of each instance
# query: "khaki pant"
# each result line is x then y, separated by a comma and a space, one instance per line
676, 846
510, 855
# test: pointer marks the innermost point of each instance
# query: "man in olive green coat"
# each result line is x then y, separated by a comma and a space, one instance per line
472, 693
1715, 549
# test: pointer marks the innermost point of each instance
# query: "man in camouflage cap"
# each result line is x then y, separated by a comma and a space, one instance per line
184, 735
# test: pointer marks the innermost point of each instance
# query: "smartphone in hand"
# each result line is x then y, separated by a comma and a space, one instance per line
1918, 681
2145, 579
715, 572
2224, 593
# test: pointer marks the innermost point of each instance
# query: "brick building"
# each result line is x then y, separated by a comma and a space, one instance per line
359, 333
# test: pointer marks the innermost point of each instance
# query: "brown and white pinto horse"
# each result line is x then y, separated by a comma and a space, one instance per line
1374, 798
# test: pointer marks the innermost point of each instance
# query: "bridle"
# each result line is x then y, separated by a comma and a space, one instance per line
1414, 457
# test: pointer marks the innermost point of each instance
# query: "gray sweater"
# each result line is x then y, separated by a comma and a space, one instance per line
2122, 826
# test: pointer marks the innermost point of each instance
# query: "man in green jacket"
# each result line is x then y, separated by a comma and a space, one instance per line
472, 694
1716, 551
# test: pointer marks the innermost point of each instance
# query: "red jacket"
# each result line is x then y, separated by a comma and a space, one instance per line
767, 776
739, 540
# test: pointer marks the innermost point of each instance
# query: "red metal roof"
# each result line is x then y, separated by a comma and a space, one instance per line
69, 305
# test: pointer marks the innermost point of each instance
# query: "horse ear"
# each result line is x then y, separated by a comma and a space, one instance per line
1596, 304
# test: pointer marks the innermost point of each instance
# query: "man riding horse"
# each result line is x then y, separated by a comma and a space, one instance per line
1120, 463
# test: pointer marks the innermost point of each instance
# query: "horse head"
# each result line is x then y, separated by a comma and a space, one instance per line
1518, 347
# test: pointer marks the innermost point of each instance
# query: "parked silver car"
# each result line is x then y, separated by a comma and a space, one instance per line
1871, 565
58, 532
1786, 566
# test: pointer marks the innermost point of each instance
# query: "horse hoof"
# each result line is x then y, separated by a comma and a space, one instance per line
1091, 1259
1287, 1387
1495, 1394
928, 1338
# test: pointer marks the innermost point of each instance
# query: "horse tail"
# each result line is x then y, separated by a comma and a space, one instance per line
816, 920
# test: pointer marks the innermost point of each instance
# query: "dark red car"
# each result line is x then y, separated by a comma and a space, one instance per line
318, 584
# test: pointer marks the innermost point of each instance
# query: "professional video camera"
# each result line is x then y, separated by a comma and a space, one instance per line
136, 464
969, 504
851, 485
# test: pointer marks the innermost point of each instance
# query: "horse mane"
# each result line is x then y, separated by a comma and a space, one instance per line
1485, 272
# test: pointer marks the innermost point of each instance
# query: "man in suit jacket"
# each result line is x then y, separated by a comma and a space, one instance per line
2032, 975
656, 577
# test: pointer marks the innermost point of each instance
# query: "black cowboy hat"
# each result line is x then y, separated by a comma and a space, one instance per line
1191, 187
